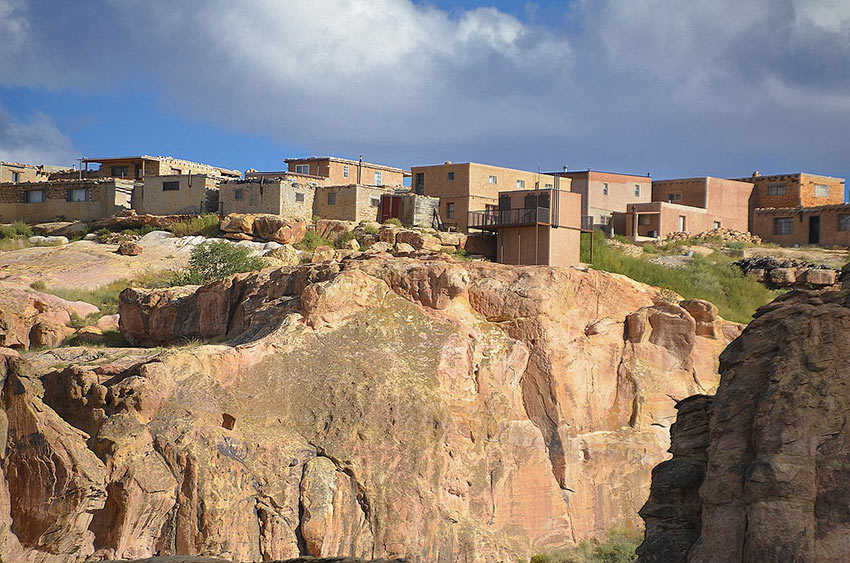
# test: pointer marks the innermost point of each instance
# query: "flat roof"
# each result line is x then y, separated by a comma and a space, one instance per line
483, 164
590, 171
347, 161
751, 178
101, 160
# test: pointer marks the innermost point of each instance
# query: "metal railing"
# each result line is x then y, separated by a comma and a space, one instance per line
488, 220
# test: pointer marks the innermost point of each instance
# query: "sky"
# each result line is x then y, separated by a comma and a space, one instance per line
670, 88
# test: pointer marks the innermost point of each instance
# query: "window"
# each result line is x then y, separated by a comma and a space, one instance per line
420, 183
605, 219
674, 197
379, 178
302, 168
237, 194
299, 197
520, 184
549, 186
821, 190
375, 201
331, 198
844, 222
345, 171
643, 219
682, 228
450, 211
605, 188
716, 225
783, 225
176, 171
776, 189
34, 196
16, 177
637, 190
119, 171
171, 186
78, 194
450, 176
493, 180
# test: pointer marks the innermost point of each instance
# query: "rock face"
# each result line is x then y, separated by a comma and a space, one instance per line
771, 446
129, 248
376, 407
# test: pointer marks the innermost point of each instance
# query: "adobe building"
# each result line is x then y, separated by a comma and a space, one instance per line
288, 196
15, 172
413, 210
306, 179
469, 186
795, 190
176, 194
74, 200
139, 167
604, 193
349, 203
692, 205
343, 172
534, 227
825, 225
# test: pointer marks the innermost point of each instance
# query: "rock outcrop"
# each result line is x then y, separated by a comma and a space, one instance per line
374, 407
760, 471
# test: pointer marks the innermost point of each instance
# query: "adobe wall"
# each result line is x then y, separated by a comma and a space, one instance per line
763, 225
105, 199
663, 218
800, 190
26, 173
278, 197
725, 201
621, 191
190, 197
334, 171
352, 202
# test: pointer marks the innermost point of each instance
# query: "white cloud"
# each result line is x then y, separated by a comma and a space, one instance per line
36, 142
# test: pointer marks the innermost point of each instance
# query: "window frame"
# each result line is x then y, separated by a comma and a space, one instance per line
777, 221
299, 169
450, 176
112, 171
777, 189
493, 179
172, 186
299, 197
520, 184
331, 198
643, 219
379, 177
846, 226
374, 201
72, 191
16, 176
346, 171
605, 188
674, 196
28, 198
450, 210
239, 194
637, 190
822, 187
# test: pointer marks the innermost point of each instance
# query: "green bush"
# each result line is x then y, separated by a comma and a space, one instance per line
18, 229
215, 260
206, 225
344, 239
105, 297
371, 230
393, 221
712, 278
619, 547
311, 240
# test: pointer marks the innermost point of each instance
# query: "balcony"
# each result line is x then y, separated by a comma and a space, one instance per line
496, 219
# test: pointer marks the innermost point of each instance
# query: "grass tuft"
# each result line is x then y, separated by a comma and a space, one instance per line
311, 240
619, 547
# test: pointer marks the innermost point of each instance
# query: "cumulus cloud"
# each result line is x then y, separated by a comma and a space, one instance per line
37, 141
706, 86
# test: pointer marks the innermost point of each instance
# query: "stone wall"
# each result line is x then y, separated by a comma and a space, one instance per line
105, 198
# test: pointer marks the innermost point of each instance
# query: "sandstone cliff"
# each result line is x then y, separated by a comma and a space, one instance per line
760, 471
380, 407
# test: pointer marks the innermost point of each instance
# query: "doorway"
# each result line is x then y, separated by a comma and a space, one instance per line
681, 223
814, 229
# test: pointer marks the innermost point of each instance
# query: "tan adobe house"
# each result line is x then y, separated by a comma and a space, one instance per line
795, 190
603, 193
176, 194
534, 227
469, 186
306, 179
14, 172
74, 200
824, 225
287, 195
139, 167
413, 210
344, 172
692, 205
349, 203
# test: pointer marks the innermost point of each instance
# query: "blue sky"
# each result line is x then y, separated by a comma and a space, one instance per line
673, 88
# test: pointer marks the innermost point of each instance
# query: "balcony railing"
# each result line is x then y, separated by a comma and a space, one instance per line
495, 219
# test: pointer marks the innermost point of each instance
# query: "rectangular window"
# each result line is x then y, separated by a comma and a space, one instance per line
171, 186
237, 194
176, 171
78, 194
331, 198
776, 189
450, 176
450, 211
119, 171
16, 176
605, 188
34, 196
605, 219
420, 183
299, 197
520, 184
375, 201
379, 178
302, 168
549, 186
493, 180
345, 171
717, 224
643, 219
674, 197
637, 190
844, 222
783, 225
821, 190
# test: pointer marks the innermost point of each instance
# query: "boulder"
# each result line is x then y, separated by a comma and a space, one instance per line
705, 315
403, 248
238, 223
322, 253
129, 248
48, 335
108, 322
818, 277
388, 234
89, 335
238, 236
279, 229
451, 239
39, 240
380, 247
783, 277
419, 241
286, 254
352, 245
333, 229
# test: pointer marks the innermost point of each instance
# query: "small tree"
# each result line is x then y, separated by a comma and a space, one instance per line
215, 260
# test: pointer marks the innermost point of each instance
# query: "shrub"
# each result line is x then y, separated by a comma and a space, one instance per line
215, 260
344, 239
38, 285
311, 240
619, 547
105, 297
18, 229
206, 225
371, 230
393, 221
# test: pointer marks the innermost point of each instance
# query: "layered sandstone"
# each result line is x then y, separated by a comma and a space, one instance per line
762, 475
375, 407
